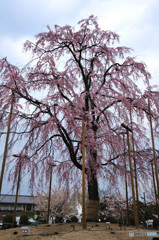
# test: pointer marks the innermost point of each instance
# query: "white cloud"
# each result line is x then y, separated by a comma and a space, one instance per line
117, 15
38, 10
13, 50
134, 21
46, 5
136, 24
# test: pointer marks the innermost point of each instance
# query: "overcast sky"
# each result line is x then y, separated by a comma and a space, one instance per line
136, 21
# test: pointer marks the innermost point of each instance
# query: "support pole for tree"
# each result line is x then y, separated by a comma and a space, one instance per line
144, 199
154, 153
135, 171
131, 174
16, 197
6, 143
49, 198
83, 177
84, 225
126, 186
154, 183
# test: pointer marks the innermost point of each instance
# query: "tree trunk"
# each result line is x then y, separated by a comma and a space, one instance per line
93, 199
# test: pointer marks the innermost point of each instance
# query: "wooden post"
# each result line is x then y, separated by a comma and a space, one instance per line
135, 171
6, 143
131, 175
154, 183
83, 177
126, 185
154, 153
49, 198
132, 183
16, 197
84, 225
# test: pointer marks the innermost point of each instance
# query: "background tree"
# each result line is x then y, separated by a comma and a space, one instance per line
62, 205
73, 73
113, 208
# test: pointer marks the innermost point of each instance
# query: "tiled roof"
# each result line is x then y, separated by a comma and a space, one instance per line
22, 199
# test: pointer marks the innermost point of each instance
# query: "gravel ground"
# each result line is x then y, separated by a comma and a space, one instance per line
69, 231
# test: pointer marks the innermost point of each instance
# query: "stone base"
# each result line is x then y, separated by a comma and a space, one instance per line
92, 210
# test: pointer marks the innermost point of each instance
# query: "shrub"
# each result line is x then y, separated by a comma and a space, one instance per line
59, 220
68, 221
156, 223
7, 221
30, 214
24, 219
102, 218
8, 218
111, 219
74, 219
